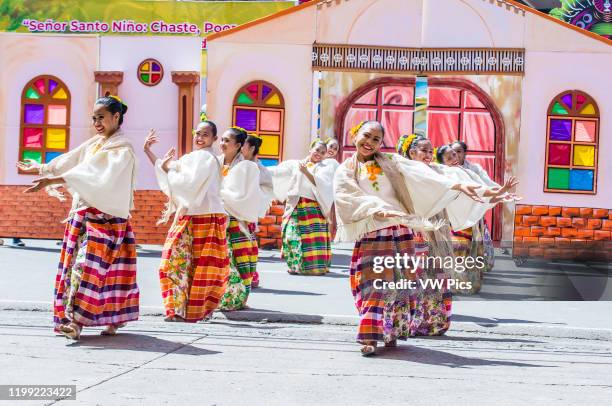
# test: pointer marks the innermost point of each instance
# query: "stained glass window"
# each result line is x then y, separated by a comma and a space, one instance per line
259, 108
572, 144
150, 72
45, 119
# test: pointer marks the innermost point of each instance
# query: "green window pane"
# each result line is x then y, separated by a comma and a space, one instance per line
244, 99
558, 178
32, 94
558, 109
33, 155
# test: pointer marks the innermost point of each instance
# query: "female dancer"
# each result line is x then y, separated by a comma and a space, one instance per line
249, 151
307, 188
379, 200
242, 199
479, 235
195, 266
96, 279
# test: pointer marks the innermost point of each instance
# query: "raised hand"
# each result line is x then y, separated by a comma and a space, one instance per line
170, 155
383, 214
29, 166
150, 140
509, 184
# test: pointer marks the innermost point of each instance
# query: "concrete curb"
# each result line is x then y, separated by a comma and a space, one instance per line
266, 316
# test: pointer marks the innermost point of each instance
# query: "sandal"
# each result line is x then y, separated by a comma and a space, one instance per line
391, 344
71, 331
368, 349
111, 330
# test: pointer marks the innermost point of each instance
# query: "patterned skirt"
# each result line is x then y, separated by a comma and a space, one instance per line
306, 239
397, 312
464, 245
195, 266
96, 279
243, 251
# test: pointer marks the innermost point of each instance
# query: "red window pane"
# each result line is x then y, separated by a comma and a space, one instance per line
487, 162
472, 102
479, 131
368, 98
444, 97
396, 123
354, 117
443, 127
398, 95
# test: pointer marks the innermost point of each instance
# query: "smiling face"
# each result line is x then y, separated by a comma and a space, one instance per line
368, 140
460, 152
332, 148
103, 121
423, 152
229, 146
450, 157
317, 152
203, 137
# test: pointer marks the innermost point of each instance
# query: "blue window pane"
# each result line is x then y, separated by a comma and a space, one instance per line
269, 162
50, 156
581, 179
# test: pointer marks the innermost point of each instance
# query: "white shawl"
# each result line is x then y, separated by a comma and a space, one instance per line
187, 182
288, 180
241, 192
480, 172
104, 179
429, 192
267, 188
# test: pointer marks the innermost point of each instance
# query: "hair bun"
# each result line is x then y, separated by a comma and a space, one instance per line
124, 108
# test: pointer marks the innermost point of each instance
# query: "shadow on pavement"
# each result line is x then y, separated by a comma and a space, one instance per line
271, 316
479, 339
489, 322
428, 356
286, 292
138, 342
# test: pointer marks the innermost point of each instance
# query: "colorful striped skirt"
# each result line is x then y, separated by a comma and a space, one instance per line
465, 245
306, 239
243, 251
96, 279
195, 266
391, 313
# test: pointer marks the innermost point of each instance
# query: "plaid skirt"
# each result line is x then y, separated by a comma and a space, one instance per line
96, 280
466, 244
243, 252
306, 240
388, 314
195, 266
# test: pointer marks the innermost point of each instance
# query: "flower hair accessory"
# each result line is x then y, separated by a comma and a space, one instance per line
356, 129
117, 98
435, 155
239, 129
255, 136
315, 142
407, 140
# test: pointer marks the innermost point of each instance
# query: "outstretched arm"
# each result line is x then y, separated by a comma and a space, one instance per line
149, 141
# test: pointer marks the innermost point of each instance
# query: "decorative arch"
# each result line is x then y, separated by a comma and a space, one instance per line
572, 144
458, 109
45, 119
259, 108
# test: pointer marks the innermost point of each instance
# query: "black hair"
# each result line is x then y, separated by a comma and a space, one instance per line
414, 143
239, 135
212, 125
463, 145
378, 123
113, 105
254, 142
441, 151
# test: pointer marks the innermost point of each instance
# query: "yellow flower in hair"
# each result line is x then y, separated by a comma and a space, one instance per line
239, 128
356, 129
255, 135
315, 141
406, 144
116, 98
435, 155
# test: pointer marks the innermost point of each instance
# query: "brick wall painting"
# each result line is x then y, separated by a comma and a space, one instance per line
40, 216
556, 232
